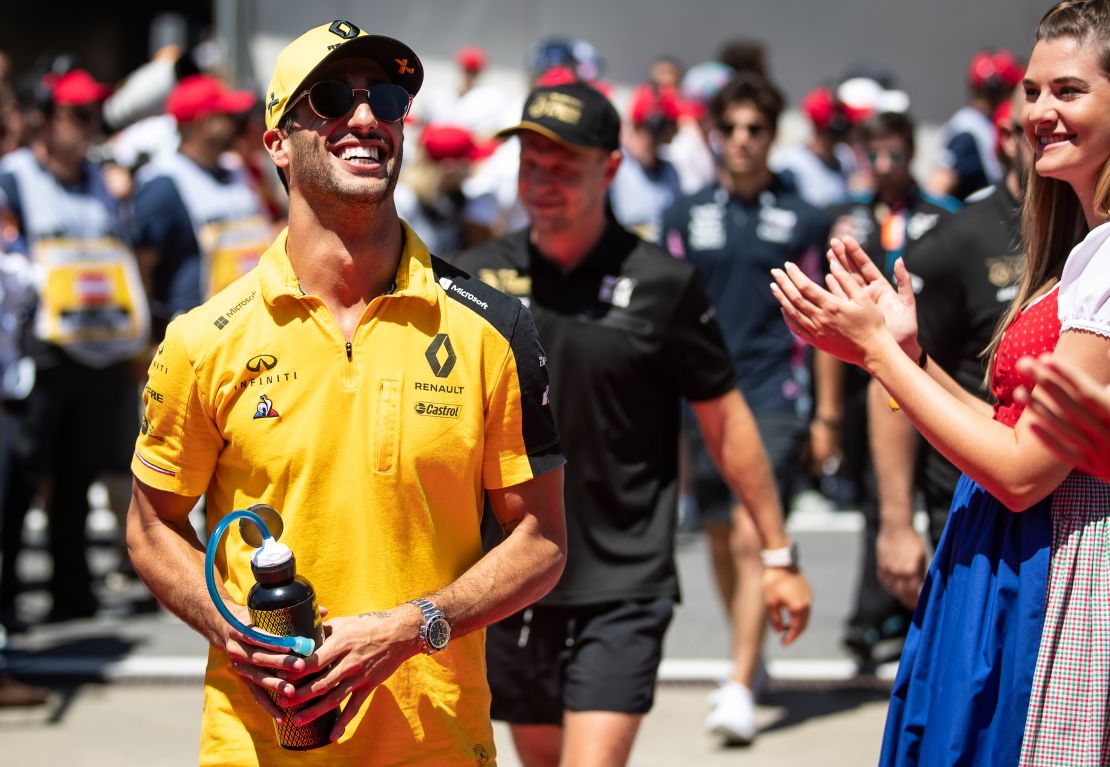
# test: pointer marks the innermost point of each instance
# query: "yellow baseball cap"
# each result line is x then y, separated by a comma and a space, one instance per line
335, 40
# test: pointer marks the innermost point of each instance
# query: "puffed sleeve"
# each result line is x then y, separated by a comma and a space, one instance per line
1085, 285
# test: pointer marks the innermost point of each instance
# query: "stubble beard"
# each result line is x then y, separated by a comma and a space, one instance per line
313, 174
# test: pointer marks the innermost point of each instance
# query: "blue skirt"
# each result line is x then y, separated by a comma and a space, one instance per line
963, 685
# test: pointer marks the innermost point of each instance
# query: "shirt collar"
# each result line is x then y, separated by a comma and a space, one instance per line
414, 277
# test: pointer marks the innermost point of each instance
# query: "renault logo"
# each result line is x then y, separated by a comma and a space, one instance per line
261, 362
440, 348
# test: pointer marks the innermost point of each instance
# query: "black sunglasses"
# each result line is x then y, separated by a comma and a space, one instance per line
755, 130
897, 156
332, 99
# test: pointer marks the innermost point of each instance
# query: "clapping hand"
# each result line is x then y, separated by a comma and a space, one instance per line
898, 306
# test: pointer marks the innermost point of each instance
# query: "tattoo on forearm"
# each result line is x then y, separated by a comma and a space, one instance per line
381, 614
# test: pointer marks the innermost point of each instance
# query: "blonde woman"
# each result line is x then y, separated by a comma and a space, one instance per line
1008, 660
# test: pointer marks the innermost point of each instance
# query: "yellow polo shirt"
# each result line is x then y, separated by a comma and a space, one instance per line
375, 452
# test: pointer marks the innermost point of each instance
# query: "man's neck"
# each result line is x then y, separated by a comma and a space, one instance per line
823, 149
747, 186
566, 249
346, 257
895, 199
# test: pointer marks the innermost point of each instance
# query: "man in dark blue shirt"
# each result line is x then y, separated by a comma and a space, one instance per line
734, 232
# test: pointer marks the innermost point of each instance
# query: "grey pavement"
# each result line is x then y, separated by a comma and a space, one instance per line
102, 725
126, 684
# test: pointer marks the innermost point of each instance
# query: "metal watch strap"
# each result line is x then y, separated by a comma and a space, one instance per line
430, 613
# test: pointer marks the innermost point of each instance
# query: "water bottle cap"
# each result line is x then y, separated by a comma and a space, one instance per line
272, 554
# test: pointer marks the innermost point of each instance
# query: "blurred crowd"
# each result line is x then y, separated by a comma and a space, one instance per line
168, 169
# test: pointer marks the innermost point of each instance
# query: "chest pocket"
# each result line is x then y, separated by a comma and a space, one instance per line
387, 427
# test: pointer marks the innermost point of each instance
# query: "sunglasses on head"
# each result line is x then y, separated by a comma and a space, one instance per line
332, 99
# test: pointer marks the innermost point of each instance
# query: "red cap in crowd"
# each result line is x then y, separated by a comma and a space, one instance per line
200, 95
994, 68
450, 142
649, 102
471, 58
76, 88
820, 107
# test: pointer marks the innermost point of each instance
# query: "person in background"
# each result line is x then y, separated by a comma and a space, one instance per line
965, 273
665, 73
89, 325
890, 222
575, 673
745, 56
821, 167
646, 184
690, 151
199, 223
732, 232
431, 200
967, 161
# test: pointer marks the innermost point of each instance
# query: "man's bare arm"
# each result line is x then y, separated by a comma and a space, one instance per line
170, 559
900, 550
732, 438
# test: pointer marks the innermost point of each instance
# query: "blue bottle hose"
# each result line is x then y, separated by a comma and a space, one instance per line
303, 646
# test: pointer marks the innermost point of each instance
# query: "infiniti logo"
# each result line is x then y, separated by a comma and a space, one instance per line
261, 362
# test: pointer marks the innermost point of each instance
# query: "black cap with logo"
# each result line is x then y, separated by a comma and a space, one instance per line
576, 115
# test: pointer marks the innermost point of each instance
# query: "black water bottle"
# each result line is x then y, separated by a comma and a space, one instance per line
284, 603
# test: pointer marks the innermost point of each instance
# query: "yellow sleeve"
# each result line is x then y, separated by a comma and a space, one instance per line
179, 441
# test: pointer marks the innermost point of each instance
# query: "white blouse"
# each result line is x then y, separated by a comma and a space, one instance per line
1085, 285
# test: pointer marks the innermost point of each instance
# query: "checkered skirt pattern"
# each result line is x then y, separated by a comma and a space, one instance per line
1068, 723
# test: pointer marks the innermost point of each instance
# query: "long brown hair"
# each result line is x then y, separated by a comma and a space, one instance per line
1052, 217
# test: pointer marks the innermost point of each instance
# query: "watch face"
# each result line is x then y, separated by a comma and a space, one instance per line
439, 633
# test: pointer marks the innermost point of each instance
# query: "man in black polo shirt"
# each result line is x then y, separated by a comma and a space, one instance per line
965, 274
629, 333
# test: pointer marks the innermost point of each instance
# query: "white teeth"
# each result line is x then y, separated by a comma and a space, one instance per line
1053, 139
360, 153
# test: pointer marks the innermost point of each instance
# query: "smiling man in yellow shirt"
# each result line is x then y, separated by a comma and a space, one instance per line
376, 397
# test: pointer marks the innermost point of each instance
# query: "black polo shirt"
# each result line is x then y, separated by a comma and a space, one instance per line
919, 213
965, 275
628, 333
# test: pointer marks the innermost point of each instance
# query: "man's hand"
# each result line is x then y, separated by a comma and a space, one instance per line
787, 590
901, 563
358, 654
266, 668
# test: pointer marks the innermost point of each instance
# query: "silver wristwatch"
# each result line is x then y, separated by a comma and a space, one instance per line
435, 632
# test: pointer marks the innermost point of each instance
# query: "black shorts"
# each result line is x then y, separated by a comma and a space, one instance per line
547, 660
